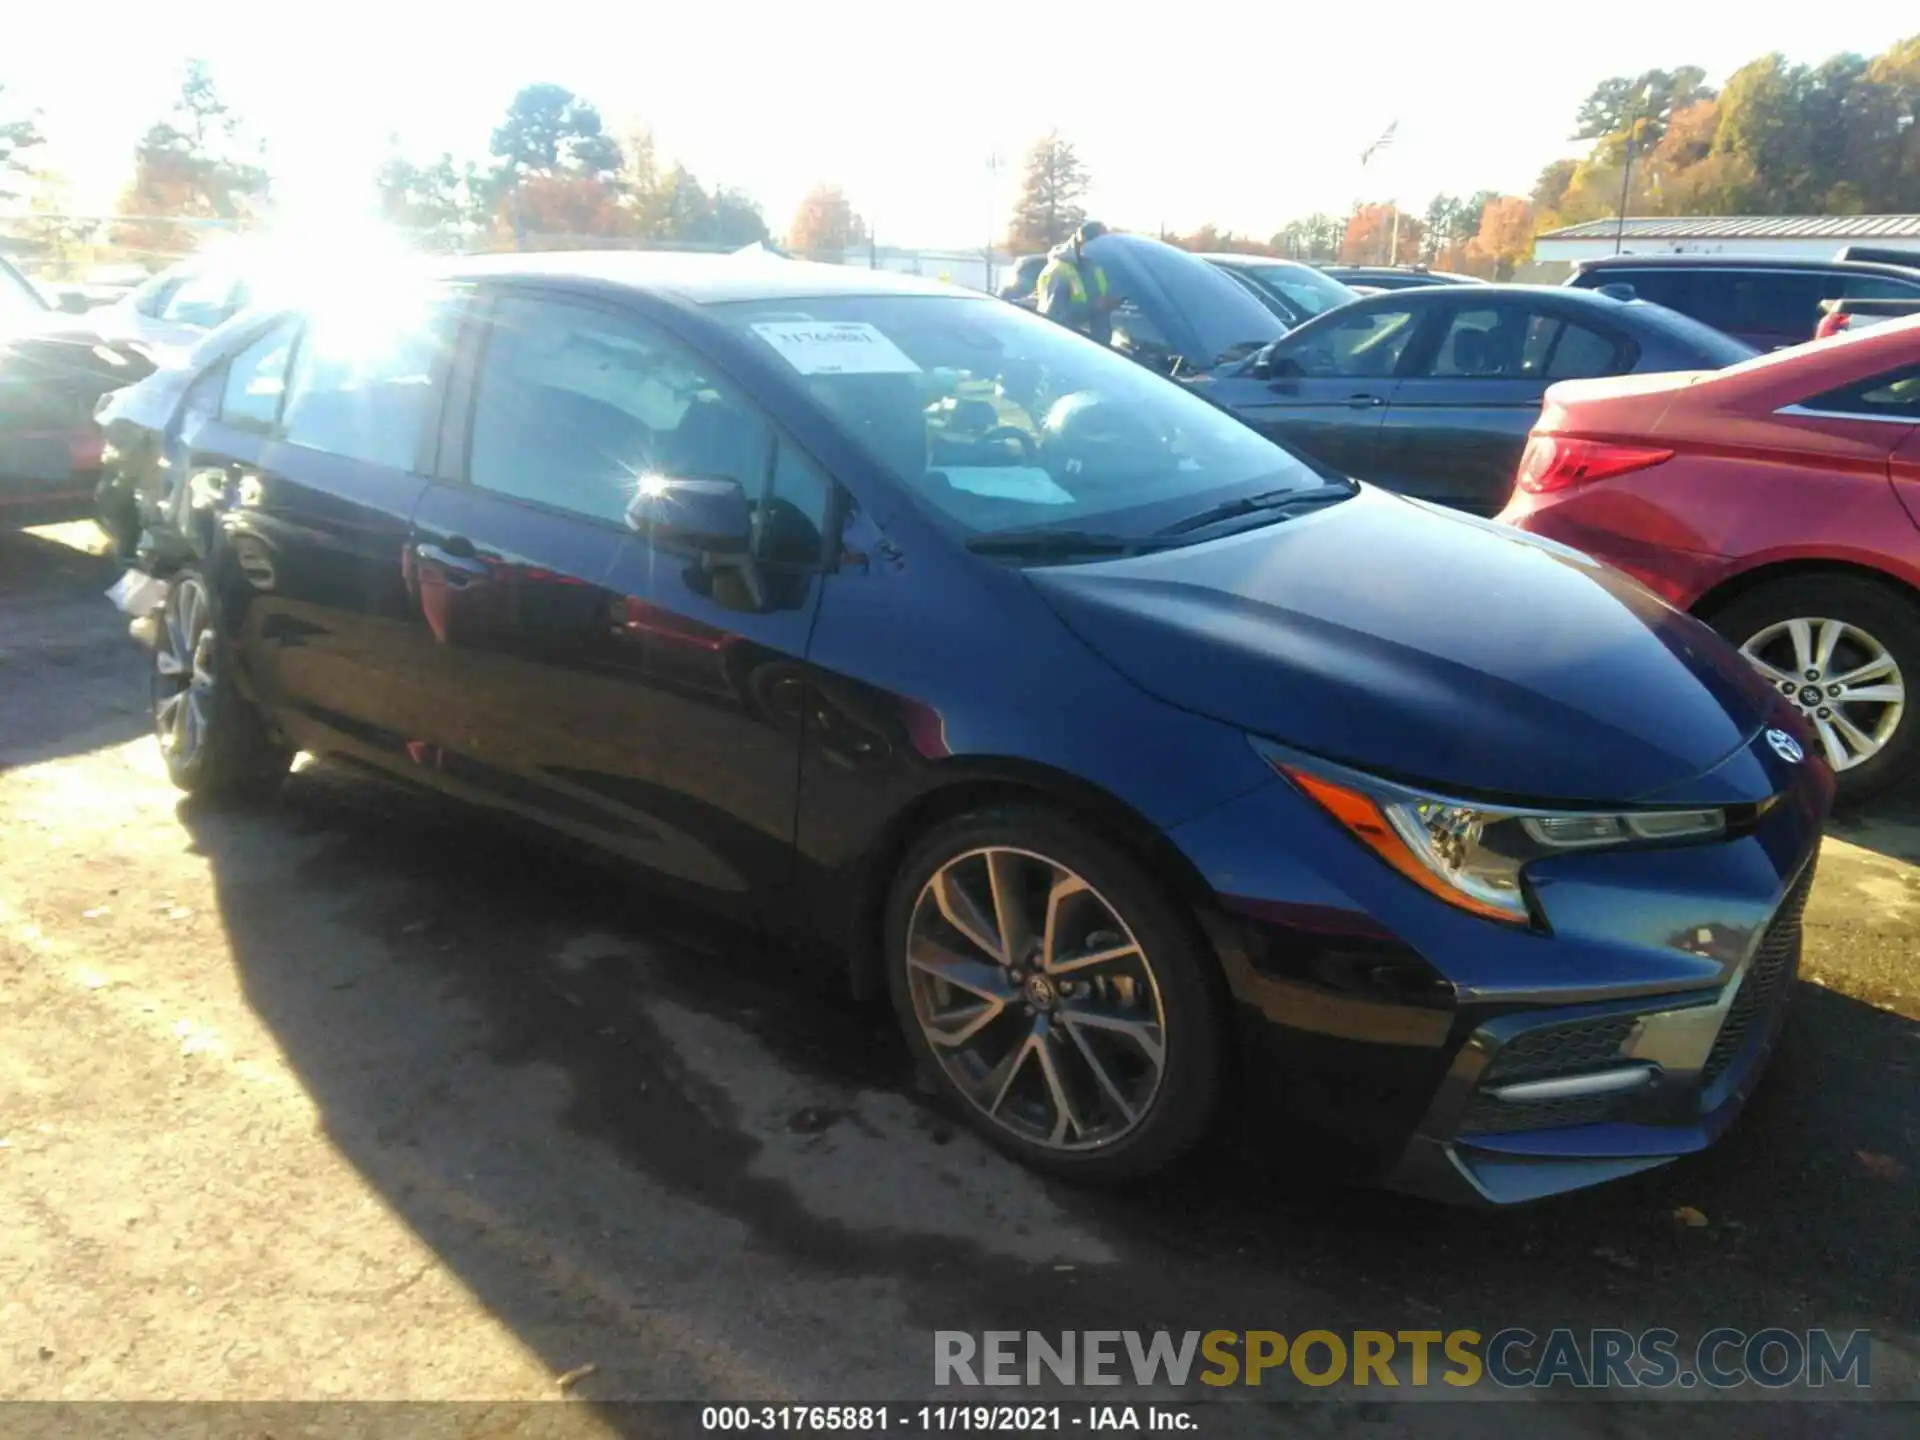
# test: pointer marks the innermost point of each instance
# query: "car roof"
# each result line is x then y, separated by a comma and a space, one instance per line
1444, 294
702, 279
1745, 262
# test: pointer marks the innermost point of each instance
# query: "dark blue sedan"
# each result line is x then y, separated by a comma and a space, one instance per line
1151, 771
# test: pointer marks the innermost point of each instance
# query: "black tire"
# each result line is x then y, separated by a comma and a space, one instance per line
232, 754
1184, 973
1890, 618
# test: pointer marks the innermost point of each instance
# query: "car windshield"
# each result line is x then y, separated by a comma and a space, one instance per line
1306, 289
998, 420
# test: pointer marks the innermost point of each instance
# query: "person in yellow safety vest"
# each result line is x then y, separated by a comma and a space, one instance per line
1073, 288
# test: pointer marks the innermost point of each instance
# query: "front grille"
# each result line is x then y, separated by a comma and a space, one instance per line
1489, 1116
1544, 1054
1559, 1049
1763, 989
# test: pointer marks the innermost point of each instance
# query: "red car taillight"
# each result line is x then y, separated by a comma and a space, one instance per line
1553, 462
1831, 325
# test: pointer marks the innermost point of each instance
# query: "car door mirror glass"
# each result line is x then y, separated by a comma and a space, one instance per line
693, 515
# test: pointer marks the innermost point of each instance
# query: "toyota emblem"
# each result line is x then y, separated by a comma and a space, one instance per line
1786, 747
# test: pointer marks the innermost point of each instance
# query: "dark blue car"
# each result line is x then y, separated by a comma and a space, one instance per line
1151, 771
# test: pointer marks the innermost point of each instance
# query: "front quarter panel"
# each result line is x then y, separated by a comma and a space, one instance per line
931, 670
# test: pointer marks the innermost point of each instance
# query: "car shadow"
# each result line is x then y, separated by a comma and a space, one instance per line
443, 985
57, 630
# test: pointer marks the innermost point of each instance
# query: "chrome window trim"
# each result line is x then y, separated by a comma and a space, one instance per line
1847, 415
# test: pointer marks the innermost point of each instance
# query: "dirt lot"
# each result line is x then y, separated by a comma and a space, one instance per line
359, 1097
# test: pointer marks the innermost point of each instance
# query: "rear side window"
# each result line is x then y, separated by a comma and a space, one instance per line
1782, 304
362, 385
1877, 287
1890, 395
1579, 353
257, 380
1506, 342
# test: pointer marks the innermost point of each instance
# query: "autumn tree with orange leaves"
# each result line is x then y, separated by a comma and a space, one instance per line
1370, 231
197, 163
826, 225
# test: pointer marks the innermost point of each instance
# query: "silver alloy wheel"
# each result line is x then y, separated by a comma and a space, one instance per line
183, 672
1036, 999
1843, 680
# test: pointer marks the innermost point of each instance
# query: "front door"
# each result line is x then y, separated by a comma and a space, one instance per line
1328, 386
619, 691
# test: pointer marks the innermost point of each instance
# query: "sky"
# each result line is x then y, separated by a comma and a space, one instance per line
1245, 115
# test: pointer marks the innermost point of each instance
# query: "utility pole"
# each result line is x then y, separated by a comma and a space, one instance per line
1642, 98
1393, 237
994, 161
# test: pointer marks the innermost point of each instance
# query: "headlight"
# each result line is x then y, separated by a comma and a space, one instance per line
1472, 856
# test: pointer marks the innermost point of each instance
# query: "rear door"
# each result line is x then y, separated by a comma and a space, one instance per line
1329, 384
326, 428
1459, 419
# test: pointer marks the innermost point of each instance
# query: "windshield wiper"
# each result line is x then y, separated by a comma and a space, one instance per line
1290, 501
1057, 544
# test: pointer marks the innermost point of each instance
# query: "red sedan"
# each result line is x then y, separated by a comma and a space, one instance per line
1780, 501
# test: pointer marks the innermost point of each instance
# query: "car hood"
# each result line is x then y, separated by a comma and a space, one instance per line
1427, 647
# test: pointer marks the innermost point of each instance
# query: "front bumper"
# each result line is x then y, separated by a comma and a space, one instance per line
1543, 1102
1482, 1064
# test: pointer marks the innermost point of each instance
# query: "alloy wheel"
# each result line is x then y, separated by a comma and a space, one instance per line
1036, 999
1843, 680
184, 672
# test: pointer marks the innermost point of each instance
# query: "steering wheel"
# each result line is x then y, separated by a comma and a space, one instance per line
1029, 450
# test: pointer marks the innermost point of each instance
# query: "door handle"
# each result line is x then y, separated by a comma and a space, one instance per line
1365, 402
460, 569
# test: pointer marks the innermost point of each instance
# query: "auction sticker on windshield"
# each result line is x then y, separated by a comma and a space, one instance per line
850, 347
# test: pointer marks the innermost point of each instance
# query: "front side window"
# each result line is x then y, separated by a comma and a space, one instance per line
1890, 395
257, 380
997, 420
576, 404
1364, 346
1874, 287
362, 381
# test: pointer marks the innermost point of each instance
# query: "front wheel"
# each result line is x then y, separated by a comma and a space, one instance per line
1055, 994
214, 742
1842, 650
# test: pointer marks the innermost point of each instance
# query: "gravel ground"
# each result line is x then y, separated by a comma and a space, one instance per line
357, 1097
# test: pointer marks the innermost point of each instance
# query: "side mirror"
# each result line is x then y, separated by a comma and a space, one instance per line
704, 517
1277, 367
